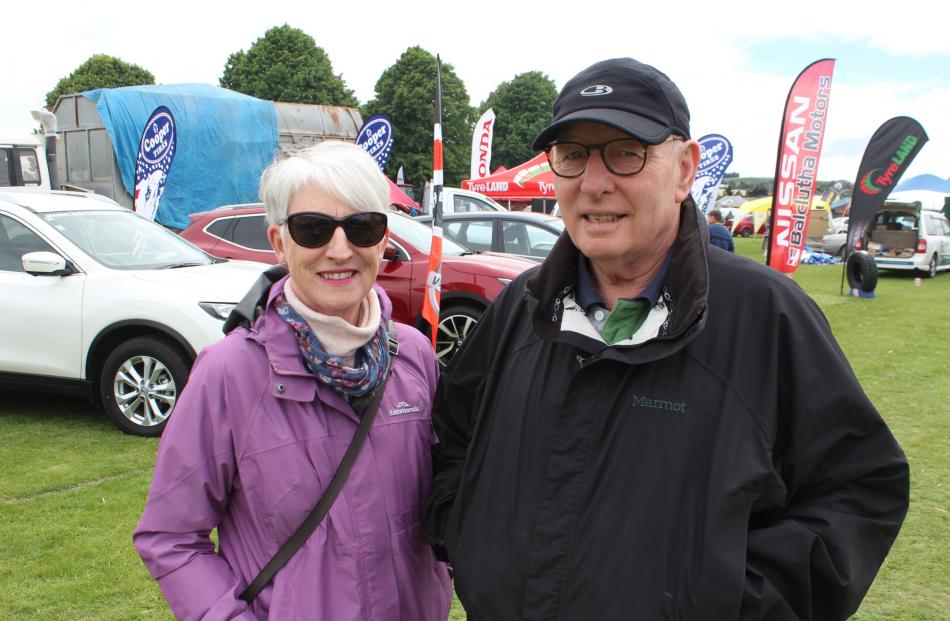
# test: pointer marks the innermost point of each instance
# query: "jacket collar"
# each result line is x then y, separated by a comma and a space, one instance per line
290, 378
686, 290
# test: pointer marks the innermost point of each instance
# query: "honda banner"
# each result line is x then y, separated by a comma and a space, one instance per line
481, 145
156, 150
715, 155
796, 168
376, 138
890, 151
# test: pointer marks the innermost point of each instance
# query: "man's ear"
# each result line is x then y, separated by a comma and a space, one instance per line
276, 242
687, 165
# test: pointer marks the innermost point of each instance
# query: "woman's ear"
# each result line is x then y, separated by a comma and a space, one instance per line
276, 242
383, 244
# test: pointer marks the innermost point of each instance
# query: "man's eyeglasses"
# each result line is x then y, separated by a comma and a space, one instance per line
312, 230
623, 157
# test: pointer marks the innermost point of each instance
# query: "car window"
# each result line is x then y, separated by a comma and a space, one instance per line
540, 240
936, 225
219, 228
476, 235
123, 240
15, 241
463, 204
514, 238
894, 221
29, 167
251, 232
420, 236
470, 204
6, 175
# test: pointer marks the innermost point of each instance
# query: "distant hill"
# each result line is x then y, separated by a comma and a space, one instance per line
762, 186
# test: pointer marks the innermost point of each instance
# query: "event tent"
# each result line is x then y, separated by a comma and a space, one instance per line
760, 208
524, 182
401, 199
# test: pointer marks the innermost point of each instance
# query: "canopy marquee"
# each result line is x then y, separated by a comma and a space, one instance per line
524, 182
400, 199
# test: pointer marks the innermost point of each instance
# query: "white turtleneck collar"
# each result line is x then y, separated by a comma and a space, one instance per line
338, 336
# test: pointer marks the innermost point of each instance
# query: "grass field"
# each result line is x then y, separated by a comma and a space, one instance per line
72, 487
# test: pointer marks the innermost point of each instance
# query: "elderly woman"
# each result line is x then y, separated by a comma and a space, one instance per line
270, 410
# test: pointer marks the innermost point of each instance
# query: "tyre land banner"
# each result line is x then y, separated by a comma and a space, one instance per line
715, 155
890, 151
796, 168
156, 150
376, 138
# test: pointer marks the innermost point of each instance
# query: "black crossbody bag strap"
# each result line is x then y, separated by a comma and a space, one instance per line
323, 505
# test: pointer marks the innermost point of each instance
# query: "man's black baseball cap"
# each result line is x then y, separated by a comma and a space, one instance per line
623, 93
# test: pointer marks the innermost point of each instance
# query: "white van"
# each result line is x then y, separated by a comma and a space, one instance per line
911, 232
457, 200
23, 163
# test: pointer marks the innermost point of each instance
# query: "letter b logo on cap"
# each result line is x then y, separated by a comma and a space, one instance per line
596, 89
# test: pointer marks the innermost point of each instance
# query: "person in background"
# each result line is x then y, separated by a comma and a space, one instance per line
641, 428
719, 235
269, 411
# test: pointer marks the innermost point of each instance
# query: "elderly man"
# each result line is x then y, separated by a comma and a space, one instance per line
648, 428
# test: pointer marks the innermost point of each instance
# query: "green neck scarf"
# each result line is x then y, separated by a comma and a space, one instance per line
625, 319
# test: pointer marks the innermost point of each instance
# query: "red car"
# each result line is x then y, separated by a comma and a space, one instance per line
469, 280
746, 227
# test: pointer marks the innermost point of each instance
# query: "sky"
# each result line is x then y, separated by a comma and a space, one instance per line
734, 60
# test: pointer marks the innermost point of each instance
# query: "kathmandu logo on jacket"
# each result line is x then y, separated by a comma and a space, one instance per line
658, 404
403, 408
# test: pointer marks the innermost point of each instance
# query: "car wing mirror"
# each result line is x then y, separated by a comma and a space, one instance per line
45, 264
391, 253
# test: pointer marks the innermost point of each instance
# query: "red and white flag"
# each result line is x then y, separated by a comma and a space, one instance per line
433, 297
796, 170
481, 145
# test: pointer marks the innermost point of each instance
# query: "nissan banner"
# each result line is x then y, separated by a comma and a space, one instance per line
796, 168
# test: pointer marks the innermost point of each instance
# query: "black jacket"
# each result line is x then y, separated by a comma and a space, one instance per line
730, 467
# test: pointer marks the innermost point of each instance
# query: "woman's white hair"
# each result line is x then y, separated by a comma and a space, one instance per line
342, 169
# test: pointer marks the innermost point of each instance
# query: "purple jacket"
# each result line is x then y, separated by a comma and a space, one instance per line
252, 445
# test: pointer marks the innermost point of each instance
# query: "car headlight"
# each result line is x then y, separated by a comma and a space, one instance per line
503, 281
218, 310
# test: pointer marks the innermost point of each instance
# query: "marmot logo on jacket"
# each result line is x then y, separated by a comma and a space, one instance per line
658, 404
403, 408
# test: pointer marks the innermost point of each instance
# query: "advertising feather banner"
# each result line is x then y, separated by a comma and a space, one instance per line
796, 168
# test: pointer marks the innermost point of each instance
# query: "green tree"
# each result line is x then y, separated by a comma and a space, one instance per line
405, 92
99, 71
522, 109
286, 65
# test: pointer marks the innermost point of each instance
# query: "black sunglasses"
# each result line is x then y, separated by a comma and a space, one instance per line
312, 230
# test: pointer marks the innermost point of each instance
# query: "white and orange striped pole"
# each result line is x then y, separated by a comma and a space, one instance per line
431, 304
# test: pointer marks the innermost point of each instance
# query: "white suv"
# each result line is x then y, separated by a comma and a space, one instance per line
99, 300
906, 235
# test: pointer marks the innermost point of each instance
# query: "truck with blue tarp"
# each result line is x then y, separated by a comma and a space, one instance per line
224, 140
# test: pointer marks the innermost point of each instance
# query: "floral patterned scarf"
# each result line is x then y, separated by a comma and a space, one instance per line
371, 362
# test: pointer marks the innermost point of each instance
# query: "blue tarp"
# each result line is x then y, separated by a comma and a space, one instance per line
810, 257
224, 141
